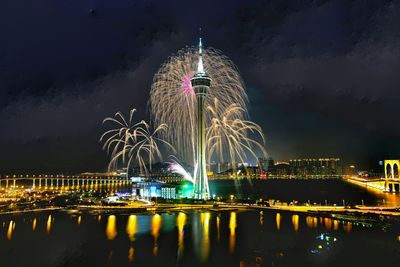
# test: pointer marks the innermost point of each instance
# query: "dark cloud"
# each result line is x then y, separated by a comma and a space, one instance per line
321, 75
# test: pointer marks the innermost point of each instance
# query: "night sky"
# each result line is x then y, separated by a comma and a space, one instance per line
322, 76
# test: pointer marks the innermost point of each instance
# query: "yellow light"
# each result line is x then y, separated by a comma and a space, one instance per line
232, 228
155, 231
315, 222
180, 222
131, 254
11, 227
295, 222
48, 224
218, 231
111, 228
131, 227
205, 244
34, 225
328, 223
278, 221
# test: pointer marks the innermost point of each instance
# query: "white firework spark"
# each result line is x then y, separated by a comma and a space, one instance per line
132, 141
117, 140
176, 167
230, 137
173, 102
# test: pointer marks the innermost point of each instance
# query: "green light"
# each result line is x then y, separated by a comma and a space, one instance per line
186, 190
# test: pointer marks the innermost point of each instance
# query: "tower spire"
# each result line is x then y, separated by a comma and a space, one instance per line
200, 67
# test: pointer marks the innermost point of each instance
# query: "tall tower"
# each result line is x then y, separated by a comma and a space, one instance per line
201, 84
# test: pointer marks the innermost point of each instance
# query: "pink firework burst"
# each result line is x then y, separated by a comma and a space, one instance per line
186, 85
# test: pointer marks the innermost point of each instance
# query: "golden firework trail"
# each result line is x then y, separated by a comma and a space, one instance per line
230, 137
131, 142
173, 102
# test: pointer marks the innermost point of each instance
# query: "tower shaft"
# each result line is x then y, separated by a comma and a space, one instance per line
201, 189
201, 84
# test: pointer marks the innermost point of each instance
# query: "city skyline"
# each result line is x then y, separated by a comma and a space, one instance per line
226, 133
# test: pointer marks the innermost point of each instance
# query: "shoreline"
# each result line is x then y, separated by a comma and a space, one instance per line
393, 211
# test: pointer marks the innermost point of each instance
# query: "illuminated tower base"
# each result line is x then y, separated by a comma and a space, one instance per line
201, 84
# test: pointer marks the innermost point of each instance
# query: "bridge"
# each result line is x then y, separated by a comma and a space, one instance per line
60, 181
390, 185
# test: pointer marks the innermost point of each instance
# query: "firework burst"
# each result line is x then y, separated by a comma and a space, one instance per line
173, 102
130, 142
230, 137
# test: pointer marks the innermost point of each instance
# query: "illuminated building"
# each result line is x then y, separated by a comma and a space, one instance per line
156, 189
303, 168
315, 167
264, 165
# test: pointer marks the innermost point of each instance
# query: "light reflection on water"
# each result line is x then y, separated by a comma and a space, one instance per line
328, 223
207, 230
155, 231
131, 229
335, 225
205, 236
11, 227
218, 227
48, 224
34, 222
232, 232
111, 228
278, 221
347, 226
295, 222
311, 222
180, 223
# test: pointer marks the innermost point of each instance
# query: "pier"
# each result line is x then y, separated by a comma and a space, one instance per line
60, 182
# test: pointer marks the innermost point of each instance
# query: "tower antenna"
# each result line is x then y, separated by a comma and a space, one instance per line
200, 67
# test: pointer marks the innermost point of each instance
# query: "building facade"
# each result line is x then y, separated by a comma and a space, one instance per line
307, 168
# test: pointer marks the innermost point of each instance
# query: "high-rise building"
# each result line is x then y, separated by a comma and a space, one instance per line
315, 167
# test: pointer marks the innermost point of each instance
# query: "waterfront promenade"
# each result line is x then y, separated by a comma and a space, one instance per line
221, 206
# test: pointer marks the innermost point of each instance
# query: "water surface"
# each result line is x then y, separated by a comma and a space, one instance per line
194, 239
